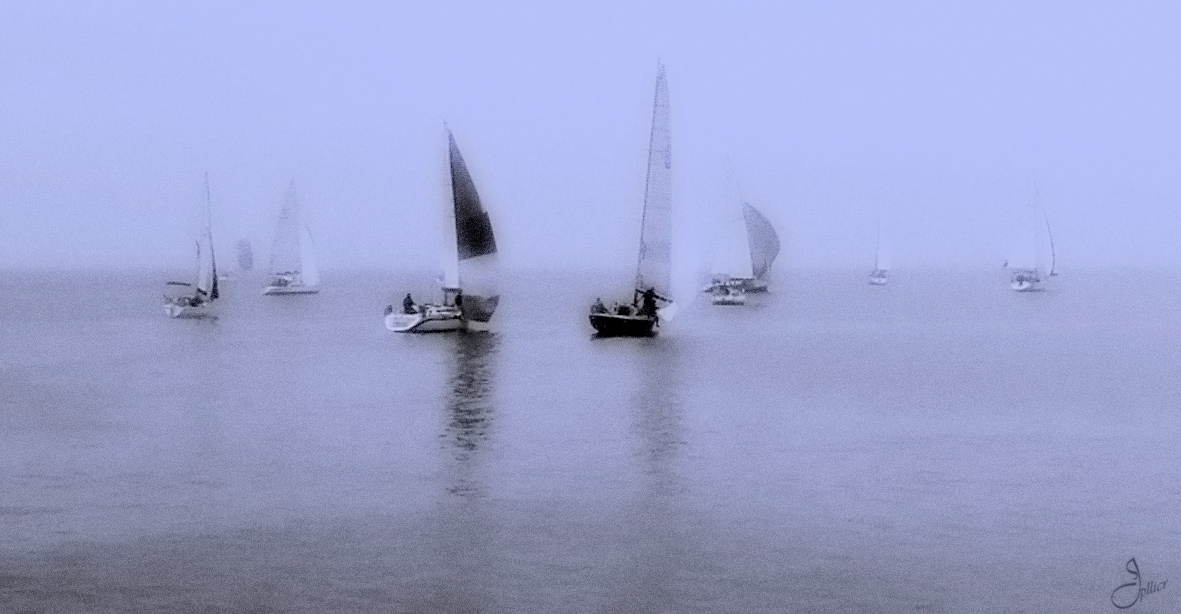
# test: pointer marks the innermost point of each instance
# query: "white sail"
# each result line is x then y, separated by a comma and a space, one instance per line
884, 254
655, 261
732, 258
1033, 246
285, 251
310, 273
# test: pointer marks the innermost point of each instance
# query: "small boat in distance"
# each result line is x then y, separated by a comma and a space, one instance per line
642, 314
1032, 259
198, 303
293, 263
882, 261
470, 275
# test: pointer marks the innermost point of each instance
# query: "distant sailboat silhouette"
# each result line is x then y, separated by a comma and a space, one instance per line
293, 261
199, 304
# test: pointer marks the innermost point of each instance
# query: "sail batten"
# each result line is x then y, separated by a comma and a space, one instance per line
655, 260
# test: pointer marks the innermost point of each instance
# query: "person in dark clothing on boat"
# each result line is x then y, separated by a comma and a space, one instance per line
648, 303
408, 305
598, 307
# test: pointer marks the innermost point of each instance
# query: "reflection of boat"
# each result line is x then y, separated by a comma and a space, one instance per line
1032, 259
881, 262
293, 263
469, 406
653, 272
470, 275
199, 303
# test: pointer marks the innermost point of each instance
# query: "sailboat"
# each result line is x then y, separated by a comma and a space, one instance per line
199, 303
1032, 259
293, 263
882, 262
470, 275
653, 271
748, 246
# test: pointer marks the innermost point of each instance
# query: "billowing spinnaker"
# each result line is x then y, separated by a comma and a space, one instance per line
654, 269
764, 243
475, 244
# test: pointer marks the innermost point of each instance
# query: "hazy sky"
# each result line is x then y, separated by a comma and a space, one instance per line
937, 117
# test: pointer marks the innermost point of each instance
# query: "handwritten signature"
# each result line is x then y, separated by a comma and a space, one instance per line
1126, 595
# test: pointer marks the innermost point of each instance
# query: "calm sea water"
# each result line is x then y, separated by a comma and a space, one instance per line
940, 444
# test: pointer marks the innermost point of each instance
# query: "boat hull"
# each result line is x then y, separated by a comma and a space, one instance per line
1023, 286
730, 298
613, 325
277, 290
175, 310
877, 281
429, 319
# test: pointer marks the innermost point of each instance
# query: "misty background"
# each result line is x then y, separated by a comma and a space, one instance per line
939, 120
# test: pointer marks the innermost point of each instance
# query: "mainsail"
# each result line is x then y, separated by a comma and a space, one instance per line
206, 265
882, 262
655, 262
285, 251
1033, 249
733, 258
764, 243
477, 274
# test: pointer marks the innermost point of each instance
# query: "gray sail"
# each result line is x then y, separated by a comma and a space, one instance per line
654, 268
245, 255
475, 244
764, 243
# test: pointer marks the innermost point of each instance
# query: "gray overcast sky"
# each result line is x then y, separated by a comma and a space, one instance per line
939, 117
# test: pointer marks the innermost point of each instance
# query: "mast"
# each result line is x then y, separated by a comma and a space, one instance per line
654, 267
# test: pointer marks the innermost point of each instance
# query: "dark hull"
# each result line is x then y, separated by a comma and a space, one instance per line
611, 325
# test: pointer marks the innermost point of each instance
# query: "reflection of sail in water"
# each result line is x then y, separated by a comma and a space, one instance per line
469, 407
653, 526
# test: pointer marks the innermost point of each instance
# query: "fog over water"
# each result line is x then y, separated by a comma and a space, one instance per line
938, 119
938, 444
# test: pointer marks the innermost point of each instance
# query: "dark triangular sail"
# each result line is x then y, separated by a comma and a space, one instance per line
475, 243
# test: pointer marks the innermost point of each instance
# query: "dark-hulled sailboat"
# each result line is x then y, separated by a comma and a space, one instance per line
470, 276
641, 315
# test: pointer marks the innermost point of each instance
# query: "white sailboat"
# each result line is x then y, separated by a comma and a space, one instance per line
1032, 259
198, 303
654, 270
293, 262
471, 271
747, 248
882, 261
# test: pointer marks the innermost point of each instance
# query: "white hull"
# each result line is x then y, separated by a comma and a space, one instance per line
174, 310
729, 298
429, 319
292, 289
1023, 286
877, 281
